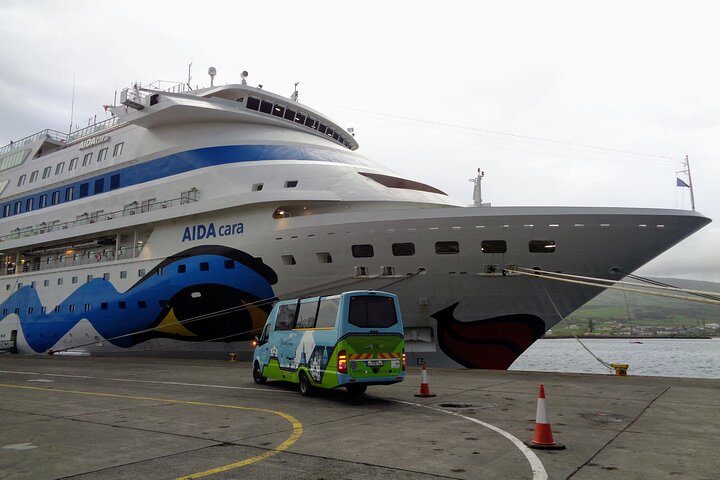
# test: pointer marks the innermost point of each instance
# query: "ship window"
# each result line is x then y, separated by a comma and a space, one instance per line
18, 205
322, 128
122, 305
403, 249
99, 185
106, 276
253, 103
229, 264
362, 251
115, 182
142, 304
60, 281
278, 111
57, 309
447, 248
285, 317
21, 180
103, 306
6, 210
30, 310
324, 257
74, 279
84, 190
141, 272
5, 311
288, 260
102, 154
69, 193
73, 164
291, 183
329, 132
397, 182
86, 159
46, 172
310, 122
87, 307
89, 278
33, 176
123, 273
71, 308
46, 283
42, 201
493, 246
290, 114
55, 199
257, 187
204, 266
59, 168
542, 246
266, 107
29, 204
117, 151
299, 118
181, 268
17, 310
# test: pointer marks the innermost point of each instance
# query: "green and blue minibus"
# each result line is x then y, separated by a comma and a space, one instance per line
351, 340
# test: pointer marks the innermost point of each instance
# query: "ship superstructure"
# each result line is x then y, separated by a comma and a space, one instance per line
182, 218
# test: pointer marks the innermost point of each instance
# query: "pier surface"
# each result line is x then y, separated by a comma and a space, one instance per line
130, 418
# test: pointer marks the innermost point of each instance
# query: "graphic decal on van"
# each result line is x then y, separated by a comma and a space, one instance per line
220, 292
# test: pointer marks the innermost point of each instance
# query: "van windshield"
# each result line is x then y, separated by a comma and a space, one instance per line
372, 312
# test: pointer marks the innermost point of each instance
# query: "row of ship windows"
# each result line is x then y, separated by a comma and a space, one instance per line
181, 268
441, 248
121, 305
98, 186
281, 111
60, 167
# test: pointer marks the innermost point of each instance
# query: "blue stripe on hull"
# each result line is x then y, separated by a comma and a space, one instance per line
191, 160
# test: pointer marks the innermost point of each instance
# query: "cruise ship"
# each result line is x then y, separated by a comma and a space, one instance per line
174, 225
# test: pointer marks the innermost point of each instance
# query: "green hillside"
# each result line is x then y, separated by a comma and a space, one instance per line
608, 314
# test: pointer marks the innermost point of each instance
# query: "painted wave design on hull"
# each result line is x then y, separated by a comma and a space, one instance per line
493, 343
197, 281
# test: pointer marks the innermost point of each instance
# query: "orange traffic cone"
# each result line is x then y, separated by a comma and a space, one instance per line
543, 439
424, 385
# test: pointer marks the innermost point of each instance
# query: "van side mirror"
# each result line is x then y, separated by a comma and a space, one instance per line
255, 341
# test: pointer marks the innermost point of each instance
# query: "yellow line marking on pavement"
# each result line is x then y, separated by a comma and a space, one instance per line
296, 425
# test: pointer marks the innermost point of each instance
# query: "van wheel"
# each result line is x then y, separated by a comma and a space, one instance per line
306, 387
257, 375
356, 388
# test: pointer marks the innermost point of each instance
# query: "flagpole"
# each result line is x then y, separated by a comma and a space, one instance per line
692, 194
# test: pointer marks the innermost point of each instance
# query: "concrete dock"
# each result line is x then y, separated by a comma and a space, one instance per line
130, 418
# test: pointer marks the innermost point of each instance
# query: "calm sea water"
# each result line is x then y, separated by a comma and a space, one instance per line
660, 357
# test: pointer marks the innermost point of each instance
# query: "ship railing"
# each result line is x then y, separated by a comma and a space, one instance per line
54, 134
89, 130
90, 257
97, 217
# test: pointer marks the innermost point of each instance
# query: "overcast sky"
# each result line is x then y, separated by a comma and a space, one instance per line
637, 77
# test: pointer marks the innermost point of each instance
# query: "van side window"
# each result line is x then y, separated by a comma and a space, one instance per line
285, 317
327, 313
306, 315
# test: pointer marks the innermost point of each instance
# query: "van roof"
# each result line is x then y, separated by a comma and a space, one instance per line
351, 292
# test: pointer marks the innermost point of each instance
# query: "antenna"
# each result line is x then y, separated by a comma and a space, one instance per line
244, 76
294, 95
72, 104
189, 76
212, 72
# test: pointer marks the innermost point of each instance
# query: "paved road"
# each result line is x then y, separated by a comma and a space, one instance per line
64, 417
